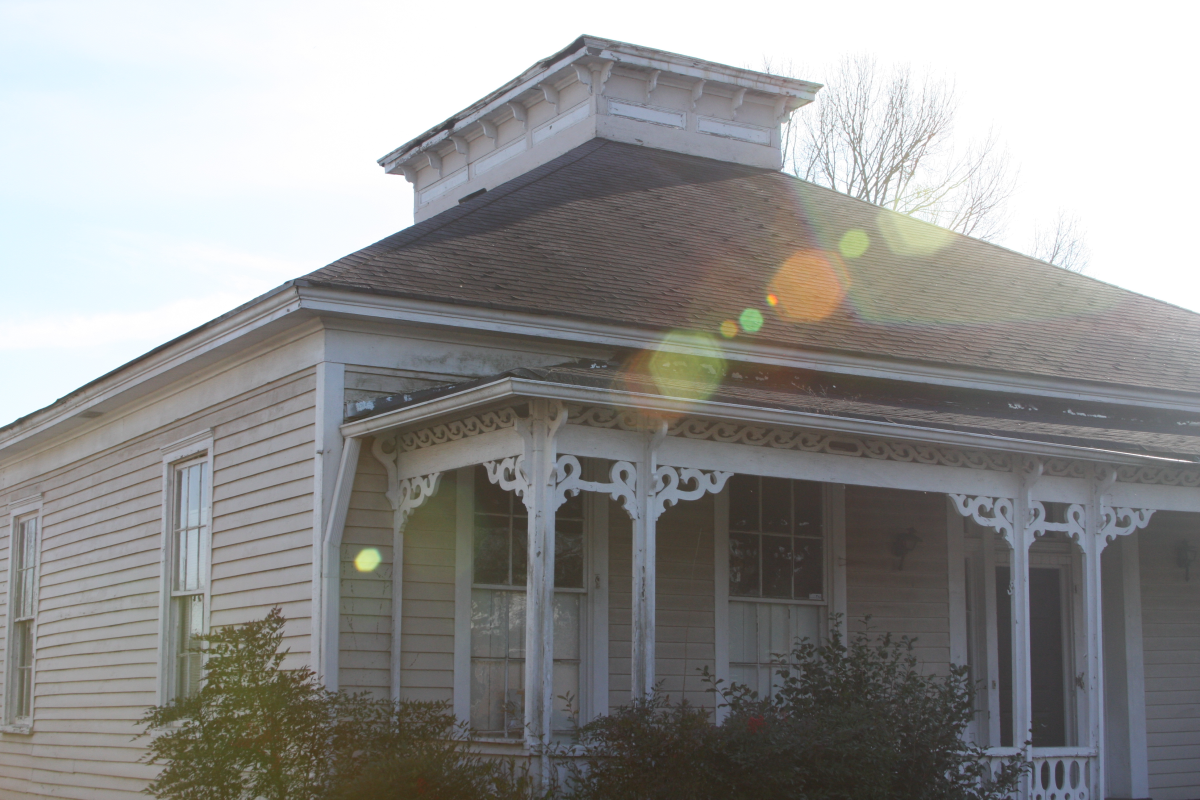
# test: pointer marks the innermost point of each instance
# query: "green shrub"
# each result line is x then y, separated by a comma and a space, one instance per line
847, 721
255, 730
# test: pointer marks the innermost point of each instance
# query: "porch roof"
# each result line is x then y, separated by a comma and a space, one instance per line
618, 234
902, 410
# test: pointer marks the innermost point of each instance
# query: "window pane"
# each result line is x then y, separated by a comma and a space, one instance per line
777, 566
743, 564
807, 503
491, 549
194, 495
520, 550
776, 505
189, 620
566, 682
572, 509
809, 569
568, 554
566, 625
489, 497
497, 661
743, 503
23, 661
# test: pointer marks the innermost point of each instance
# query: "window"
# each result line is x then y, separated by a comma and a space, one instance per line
22, 613
499, 571
186, 559
776, 573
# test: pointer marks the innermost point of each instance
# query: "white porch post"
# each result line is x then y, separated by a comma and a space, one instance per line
1093, 545
1126, 773
644, 549
538, 433
1022, 676
329, 605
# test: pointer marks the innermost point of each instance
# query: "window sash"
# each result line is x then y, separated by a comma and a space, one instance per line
21, 695
187, 620
186, 582
189, 527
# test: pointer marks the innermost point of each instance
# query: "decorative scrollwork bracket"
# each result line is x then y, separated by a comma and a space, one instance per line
990, 512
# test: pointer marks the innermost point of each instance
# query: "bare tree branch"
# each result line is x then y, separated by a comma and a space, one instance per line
1063, 244
882, 136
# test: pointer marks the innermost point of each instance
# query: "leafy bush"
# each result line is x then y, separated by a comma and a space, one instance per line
255, 730
847, 721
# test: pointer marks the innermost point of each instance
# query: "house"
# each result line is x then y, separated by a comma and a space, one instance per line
624, 402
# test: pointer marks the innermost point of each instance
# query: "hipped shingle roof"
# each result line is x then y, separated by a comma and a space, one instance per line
617, 233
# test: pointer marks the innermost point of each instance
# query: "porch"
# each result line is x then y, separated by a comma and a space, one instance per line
537, 554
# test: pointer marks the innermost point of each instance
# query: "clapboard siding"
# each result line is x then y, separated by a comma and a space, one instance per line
98, 614
620, 606
911, 602
427, 626
1171, 641
684, 601
365, 618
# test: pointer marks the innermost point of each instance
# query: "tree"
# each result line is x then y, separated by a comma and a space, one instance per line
1063, 245
883, 136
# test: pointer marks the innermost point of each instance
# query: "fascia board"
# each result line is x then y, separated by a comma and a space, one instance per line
175, 359
487, 105
425, 312
523, 388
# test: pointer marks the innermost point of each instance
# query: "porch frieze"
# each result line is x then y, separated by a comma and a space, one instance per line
795, 439
486, 422
671, 484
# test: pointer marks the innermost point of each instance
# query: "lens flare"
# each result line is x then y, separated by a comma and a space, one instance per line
687, 364
751, 320
854, 243
810, 285
729, 329
367, 560
908, 236
772, 300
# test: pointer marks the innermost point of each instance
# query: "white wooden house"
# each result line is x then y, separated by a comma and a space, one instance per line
625, 402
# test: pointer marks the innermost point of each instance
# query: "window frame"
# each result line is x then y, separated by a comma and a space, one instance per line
593, 655
20, 511
833, 541
194, 449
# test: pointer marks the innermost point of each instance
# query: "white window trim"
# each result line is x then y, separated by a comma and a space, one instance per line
833, 514
198, 446
593, 673
18, 510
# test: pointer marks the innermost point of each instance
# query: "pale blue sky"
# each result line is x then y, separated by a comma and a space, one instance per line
161, 163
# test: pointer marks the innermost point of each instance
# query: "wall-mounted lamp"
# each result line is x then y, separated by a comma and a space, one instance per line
904, 543
1185, 556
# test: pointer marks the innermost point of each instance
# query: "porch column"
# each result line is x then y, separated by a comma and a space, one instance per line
1093, 544
538, 433
1126, 772
1022, 673
644, 550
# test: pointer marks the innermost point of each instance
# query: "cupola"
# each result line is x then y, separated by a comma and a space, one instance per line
598, 88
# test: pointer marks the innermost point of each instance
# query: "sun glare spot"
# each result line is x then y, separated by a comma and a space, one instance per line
772, 300
751, 320
908, 236
367, 559
854, 243
729, 329
810, 286
687, 364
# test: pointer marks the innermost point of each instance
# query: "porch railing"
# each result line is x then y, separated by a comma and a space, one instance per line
1059, 773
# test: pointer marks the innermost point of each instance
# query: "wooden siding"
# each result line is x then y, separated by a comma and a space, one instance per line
911, 602
427, 624
684, 639
1171, 638
98, 611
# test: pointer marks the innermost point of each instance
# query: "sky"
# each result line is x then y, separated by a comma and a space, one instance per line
162, 163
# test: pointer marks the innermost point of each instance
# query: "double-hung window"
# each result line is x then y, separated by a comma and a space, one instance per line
186, 573
499, 573
22, 599
776, 573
